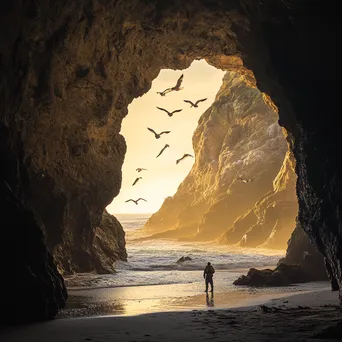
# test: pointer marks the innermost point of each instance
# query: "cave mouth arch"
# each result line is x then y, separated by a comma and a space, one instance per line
70, 76
235, 134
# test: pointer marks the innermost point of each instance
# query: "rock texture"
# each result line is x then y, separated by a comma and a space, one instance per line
237, 137
30, 280
300, 251
107, 246
282, 275
270, 222
68, 71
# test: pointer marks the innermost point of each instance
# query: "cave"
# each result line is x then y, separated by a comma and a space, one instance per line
68, 73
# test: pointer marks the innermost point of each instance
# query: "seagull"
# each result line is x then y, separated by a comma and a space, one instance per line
175, 88
184, 156
136, 201
162, 150
170, 113
136, 180
139, 169
194, 104
245, 180
157, 136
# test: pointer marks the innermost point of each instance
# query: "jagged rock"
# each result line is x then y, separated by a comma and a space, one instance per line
68, 75
238, 136
183, 259
32, 285
271, 221
282, 275
107, 246
301, 251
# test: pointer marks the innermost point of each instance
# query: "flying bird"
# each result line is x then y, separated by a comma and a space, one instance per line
175, 88
184, 156
136, 201
162, 150
170, 113
196, 103
245, 180
136, 180
139, 169
157, 136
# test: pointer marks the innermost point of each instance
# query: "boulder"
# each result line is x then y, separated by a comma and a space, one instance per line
282, 275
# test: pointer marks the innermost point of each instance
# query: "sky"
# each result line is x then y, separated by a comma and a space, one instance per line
163, 175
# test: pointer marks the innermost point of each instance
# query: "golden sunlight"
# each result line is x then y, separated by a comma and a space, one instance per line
163, 175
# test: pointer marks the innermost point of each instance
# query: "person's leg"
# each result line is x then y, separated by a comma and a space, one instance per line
206, 284
211, 284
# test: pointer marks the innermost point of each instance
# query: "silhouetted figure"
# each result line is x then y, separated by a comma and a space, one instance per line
175, 88
136, 180
139, 169
209, 301
184, 156
156, 135
162, 150
169, 113
208, 276
136, 201
194, 104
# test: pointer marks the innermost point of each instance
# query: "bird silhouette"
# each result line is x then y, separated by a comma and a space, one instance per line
175, 88
136, 201
245, 180
136, 180
170, 113
196, 103
162, 150
139, 169
184, 156
157, 136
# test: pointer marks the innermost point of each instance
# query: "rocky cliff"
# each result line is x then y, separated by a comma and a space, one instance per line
107, 246
68, 71
272, 219
238, 138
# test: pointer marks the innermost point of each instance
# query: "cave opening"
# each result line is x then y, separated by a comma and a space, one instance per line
237, 135
69, 76
244, 179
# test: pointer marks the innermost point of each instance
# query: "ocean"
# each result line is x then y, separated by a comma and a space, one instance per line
154, 262
151, 280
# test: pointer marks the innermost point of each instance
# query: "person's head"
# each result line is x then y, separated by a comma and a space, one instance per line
209, 263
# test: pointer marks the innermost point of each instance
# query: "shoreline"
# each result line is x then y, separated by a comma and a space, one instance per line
296, 317
186, 296
247, 302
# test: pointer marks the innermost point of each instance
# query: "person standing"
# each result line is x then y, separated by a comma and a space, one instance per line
208, 276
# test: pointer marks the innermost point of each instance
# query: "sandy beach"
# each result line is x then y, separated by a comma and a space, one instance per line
297, 317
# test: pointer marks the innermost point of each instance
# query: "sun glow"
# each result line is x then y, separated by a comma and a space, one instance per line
163, 175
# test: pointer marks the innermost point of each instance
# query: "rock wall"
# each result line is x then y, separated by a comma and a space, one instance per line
270, 222
68, 71
30, 279
237, 137
107, 246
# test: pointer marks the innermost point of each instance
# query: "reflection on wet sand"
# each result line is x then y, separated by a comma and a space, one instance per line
209, 301
176, 297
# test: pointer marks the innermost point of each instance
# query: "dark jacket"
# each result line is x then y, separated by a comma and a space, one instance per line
208, 271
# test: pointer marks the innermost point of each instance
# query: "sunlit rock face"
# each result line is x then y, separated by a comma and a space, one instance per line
70, 69
272, 219
237, 137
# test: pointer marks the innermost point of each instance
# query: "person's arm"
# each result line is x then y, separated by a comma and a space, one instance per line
204, 273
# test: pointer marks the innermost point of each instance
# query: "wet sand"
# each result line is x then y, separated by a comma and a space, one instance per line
300, 317
134, 300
